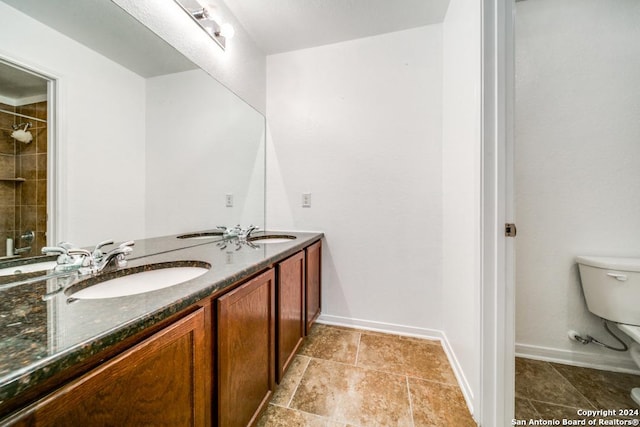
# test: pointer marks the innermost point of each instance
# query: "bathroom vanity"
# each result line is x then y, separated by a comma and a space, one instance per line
208, 351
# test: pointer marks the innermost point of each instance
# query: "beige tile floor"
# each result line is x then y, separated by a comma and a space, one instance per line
346, 377
555, 391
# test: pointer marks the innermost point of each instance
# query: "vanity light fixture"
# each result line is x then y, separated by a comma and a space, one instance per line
220, 32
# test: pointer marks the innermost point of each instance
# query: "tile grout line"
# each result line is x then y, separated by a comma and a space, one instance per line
358, 348
550, 403
534, 408
456, 385
298, 383
410, 402
572, 385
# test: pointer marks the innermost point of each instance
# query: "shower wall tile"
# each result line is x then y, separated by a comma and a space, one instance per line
28, 218
41, 223
6, 120
29, 148
39, 242
7, 166
42, 166
29, 193
27, 110
7, 193
41, 112
7, 145
41, 198
28, 167
7, 219
23, 205
41, 140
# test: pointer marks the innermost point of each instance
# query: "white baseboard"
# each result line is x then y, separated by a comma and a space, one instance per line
577, 358
391, 328
409, 331
459, 373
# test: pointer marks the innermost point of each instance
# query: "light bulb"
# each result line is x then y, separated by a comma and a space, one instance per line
227, 31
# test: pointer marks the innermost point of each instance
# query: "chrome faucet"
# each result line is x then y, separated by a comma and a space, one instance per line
118, 254
66, 261
237, 234
241, 233
84, 261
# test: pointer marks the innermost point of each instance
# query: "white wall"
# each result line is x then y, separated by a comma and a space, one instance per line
461, 141
202, 143
358, 124
241, 67
577, 174
101, 167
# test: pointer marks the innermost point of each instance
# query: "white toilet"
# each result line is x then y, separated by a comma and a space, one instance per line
612, 289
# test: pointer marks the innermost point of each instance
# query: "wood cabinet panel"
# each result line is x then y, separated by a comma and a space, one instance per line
162, 382
291, 310
313, 282
246, 351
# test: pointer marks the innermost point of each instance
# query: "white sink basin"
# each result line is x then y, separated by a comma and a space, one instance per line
139, 283
28, 268
272, 239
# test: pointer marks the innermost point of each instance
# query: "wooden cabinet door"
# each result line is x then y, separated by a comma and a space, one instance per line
291, 311
313, 283
160, 382
246, 354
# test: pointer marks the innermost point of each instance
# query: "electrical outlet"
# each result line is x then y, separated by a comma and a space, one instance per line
306, 200
228, 200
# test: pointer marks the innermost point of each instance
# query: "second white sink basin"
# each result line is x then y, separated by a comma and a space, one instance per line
275, 238
139, 283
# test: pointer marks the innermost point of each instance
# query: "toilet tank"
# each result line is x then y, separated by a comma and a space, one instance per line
612, 287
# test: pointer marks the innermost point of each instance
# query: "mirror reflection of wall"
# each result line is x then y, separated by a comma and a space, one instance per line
112, 143
23, 162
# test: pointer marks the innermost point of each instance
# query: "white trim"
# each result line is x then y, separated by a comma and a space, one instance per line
497, 297
607, 362
467, 392
372, 325
409, 331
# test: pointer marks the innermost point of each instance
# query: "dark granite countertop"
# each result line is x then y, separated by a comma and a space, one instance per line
41, 337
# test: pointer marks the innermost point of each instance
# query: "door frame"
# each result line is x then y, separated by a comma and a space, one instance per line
497, 315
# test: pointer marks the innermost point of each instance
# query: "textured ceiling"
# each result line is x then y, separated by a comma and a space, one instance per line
284, 25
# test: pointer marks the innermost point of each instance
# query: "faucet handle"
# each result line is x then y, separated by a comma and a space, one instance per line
62, 251
102, 244
127, 244
85, 257
97, 253
50, 250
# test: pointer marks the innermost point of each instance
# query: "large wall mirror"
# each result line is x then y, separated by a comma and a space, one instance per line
129, 138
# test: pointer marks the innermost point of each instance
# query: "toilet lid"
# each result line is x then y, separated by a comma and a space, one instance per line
632, 331
610, 263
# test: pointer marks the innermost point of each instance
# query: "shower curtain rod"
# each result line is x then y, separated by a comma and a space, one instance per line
23, 116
